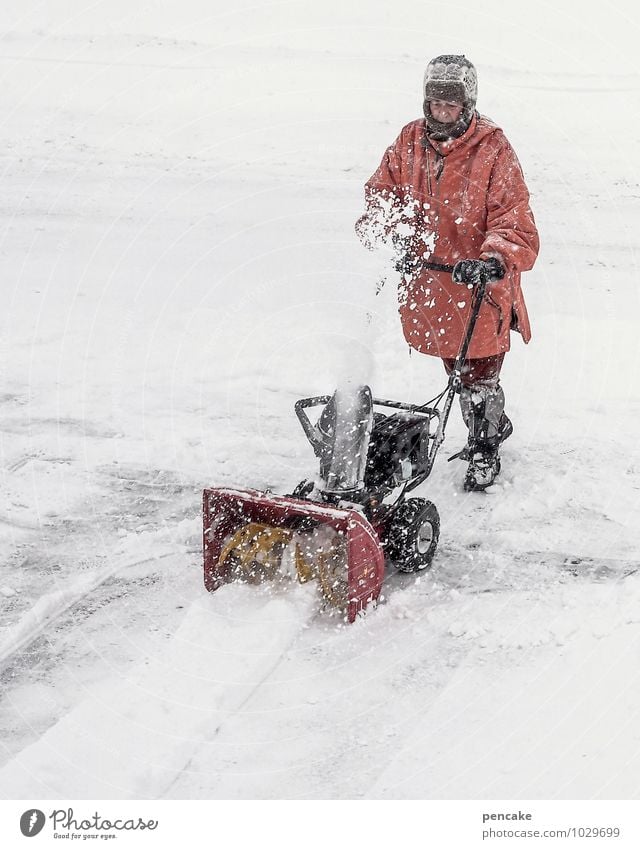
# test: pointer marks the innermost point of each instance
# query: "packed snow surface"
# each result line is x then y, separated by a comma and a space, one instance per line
180, 185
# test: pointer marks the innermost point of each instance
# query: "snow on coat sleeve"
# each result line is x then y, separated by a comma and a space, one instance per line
511, 228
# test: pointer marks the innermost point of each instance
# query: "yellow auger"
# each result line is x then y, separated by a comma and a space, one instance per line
254, 554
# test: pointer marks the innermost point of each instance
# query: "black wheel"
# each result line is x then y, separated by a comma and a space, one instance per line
413, 535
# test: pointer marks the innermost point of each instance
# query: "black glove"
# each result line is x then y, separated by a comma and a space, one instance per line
474, 270
495, 269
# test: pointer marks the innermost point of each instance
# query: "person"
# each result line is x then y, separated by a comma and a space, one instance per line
450, 192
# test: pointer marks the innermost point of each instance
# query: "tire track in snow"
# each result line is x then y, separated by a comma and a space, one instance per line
52, 606
132, 737
134, 499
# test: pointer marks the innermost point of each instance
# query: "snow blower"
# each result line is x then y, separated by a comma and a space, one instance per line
343, 528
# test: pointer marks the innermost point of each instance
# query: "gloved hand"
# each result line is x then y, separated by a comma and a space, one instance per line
474, 270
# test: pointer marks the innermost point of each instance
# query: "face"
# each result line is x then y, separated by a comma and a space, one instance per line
445, 111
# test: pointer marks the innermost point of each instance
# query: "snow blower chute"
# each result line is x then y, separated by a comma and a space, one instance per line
342, 528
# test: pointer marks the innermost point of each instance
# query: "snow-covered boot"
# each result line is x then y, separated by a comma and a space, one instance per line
483, 468
488, 424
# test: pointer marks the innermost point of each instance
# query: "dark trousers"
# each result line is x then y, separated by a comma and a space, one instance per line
484, 371
481, 397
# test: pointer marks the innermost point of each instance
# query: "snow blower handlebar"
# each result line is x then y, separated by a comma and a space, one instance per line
437, 266
479, 290
310, 432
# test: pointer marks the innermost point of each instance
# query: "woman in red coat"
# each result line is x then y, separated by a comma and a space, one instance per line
450, 190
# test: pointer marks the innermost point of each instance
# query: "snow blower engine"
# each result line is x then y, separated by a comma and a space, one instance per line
343, 528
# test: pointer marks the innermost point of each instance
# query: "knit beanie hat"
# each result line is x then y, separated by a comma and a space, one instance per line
451, 78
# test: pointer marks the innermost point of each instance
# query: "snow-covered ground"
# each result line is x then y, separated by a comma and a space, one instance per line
179, 186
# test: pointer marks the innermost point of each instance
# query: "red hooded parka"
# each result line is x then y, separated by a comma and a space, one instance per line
465, 198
